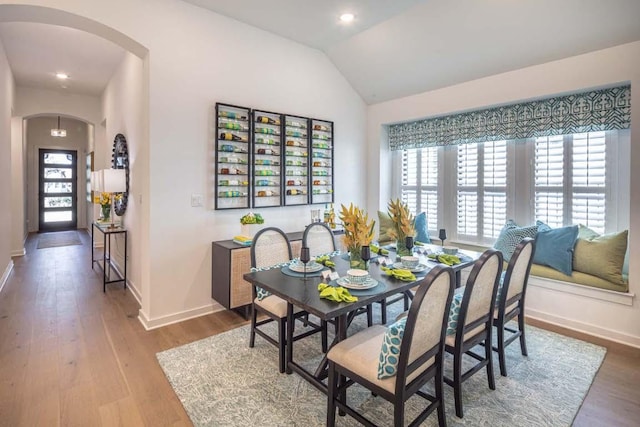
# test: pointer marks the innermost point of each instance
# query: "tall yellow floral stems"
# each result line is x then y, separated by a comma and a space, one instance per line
358, 232
404, 225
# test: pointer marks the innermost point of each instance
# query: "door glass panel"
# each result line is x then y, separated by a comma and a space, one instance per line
57, 202
58, 187
57, 216
58, 158
53, 173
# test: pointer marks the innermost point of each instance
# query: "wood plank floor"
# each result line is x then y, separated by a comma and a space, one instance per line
71, 355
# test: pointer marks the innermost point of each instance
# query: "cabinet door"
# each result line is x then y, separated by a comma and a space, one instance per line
240, 292
267, 159
296, 160
232, 157
321, 161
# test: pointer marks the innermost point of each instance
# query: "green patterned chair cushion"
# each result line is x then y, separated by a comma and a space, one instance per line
390, 351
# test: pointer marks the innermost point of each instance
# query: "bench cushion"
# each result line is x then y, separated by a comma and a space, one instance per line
577, 277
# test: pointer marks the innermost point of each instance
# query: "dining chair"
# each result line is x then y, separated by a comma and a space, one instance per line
270, 246
510, 300
474, 323
395, 362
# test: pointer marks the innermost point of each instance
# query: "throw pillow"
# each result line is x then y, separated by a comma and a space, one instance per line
390, 351
511, 235
454, 310
601, 255
422, 229
385, 224
554, 248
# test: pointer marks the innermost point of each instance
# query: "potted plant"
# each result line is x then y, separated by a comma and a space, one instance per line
403, 225
358, 232
250, 224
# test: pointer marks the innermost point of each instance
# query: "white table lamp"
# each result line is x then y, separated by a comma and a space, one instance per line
114, 181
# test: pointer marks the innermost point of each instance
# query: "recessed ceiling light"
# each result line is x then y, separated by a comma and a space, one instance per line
62, 76
347, 17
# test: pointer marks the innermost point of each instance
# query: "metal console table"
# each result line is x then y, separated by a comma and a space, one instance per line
108, 269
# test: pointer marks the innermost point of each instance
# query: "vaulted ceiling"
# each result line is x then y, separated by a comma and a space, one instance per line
393, 48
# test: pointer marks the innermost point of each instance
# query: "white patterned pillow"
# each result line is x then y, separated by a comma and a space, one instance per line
511, 235
390, 351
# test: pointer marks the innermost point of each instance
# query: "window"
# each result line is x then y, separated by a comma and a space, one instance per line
419, 189
561, 180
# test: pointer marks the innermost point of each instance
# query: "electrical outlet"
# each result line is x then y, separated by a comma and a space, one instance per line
196, 200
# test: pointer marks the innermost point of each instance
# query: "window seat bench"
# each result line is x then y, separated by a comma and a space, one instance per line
577, 278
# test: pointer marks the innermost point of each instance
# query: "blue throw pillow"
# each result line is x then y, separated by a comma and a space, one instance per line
422, 229
454, 310
554, 248
511, 235
390, 351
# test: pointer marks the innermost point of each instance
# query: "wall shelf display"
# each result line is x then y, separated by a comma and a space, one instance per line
267, 159
321, 137
232, 157
296, 160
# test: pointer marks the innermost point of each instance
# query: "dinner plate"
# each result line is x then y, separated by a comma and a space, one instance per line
367, 284
299, 267
419, 269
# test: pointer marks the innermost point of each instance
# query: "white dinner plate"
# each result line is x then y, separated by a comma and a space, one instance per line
419, 269
311, 268
367, 284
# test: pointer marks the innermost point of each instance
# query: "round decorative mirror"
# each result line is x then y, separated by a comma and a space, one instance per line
120, 160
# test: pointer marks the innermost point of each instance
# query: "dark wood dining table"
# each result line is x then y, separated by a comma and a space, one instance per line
303, 293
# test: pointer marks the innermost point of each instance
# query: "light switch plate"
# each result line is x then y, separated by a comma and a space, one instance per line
196, 200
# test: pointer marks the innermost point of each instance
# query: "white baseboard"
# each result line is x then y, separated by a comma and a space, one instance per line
134, 291
586, 328
18, 252
5, 275
624, 298
177, 317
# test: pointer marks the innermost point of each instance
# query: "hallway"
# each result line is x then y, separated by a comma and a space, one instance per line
72, 355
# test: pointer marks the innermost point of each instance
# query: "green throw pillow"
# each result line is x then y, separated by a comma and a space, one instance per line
601, 255
385, 225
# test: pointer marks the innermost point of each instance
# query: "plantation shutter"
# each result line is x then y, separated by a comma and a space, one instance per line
429, 186
494, 203
410, 172
467, 190
589, 180
549, 180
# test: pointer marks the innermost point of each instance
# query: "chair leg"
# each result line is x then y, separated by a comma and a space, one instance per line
383, 311
252, 333
406, 302
282, 323
523, 341
442, 419
331, 395
323, 333
370, 315
398, 414
488, 351
457, 382
501, 354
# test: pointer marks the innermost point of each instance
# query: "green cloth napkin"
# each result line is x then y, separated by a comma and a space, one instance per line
377, 250
326, 261
399, 273
335, 293
445, 259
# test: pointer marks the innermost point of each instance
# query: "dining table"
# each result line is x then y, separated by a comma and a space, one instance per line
302, 292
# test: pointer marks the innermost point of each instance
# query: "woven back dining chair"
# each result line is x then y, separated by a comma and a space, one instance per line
474, 323
396, 362
271, 247
510, 301
318, 237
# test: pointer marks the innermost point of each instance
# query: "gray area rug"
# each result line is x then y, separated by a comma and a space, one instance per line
222, 382
60, 238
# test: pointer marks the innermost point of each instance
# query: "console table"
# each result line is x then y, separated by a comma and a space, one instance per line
230, 261
110, 274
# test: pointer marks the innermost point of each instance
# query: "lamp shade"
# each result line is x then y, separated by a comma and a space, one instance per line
114, 180
96, 181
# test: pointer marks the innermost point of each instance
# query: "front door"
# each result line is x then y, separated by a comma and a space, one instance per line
58, 187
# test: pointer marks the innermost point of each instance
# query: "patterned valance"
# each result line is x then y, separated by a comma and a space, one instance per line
596, 110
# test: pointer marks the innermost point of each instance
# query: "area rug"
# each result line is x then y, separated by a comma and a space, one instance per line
222, 382
56, 239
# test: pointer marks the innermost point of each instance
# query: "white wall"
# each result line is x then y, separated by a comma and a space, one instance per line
18, 188
197, 58
39, 136
601, 68
6, 104
122, 106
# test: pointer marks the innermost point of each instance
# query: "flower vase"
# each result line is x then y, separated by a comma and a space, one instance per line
106, 212
356, 261
401, 248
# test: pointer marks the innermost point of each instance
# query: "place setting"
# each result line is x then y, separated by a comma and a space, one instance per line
304, 266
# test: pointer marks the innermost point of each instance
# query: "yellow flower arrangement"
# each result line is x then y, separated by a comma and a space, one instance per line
358, 230
403, 220
104, 199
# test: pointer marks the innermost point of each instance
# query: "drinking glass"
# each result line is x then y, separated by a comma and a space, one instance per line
365, 254
305, 257
442, 235
408, 242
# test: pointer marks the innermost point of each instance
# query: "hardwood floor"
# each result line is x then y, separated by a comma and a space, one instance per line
72, 355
